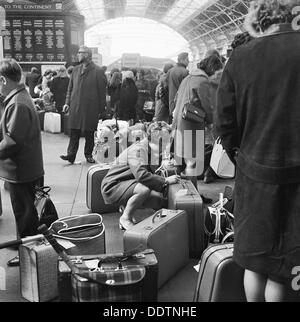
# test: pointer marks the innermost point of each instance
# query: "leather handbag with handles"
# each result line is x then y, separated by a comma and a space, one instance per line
192, 110
86, 232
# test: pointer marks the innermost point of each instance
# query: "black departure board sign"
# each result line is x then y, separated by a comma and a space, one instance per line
40, 39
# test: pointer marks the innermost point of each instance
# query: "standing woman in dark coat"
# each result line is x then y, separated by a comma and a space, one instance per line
128, 98
114, 89
194, 87
162, 97
259, 117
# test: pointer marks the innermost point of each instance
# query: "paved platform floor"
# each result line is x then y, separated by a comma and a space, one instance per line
68, 192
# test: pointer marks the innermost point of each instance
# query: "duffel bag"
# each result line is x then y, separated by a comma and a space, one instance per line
86, 232
115, 283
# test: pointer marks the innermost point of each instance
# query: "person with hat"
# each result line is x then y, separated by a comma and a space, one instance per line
85, 101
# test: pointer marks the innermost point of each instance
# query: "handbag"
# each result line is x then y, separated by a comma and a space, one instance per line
149, 107
192, 110
220, 162
85, 232
45, 207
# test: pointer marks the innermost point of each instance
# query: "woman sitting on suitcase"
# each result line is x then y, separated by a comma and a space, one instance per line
132, 183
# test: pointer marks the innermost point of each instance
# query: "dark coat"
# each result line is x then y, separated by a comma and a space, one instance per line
86, 97
128, 99
131, 167
21, 157
174, 78
258, 107
162, 100
59, 87
259, 114
32, 80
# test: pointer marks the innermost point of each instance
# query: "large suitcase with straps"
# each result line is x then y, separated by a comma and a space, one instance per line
185, 196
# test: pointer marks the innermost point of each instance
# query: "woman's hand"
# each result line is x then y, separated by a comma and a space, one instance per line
173, 179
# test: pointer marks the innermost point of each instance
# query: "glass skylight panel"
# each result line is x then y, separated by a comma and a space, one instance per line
136, 7
182, 10
92, 10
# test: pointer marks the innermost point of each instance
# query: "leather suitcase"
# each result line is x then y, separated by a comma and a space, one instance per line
220, 279
185, 196
146, 258
94, 200
38, 272
166, 232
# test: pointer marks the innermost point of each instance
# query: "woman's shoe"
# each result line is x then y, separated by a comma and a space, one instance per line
125, 224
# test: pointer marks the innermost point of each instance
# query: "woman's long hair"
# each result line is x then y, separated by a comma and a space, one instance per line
210, 64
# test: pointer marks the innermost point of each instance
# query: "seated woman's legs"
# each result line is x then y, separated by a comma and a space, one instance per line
140, 195
142, 198
155, 201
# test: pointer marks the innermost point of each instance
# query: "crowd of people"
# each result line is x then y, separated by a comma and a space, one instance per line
249, 100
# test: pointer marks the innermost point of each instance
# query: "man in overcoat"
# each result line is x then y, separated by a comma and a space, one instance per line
85, 101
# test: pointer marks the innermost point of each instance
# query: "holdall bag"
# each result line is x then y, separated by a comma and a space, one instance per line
167, 233
220, 162
45, 208
38, 271
94, 199
219, 222
220, 279
117, 283
146, 258
52, 122
185, 196
86, 232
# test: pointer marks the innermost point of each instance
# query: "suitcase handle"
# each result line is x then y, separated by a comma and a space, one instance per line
159, 214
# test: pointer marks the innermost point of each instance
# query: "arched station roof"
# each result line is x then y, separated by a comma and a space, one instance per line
203, 23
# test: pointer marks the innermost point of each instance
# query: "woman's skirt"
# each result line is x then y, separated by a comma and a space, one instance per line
267, 227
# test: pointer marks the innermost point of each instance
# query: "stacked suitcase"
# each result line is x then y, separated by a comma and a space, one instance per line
94, 199
167, 233
185, 196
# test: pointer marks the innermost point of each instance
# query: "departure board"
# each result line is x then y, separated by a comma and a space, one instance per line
37, 39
